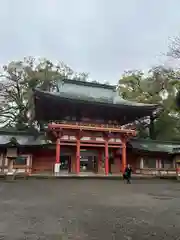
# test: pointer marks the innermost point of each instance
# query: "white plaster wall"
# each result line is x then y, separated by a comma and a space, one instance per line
99, 139
66, 137
72, 138
115, 140
86, 138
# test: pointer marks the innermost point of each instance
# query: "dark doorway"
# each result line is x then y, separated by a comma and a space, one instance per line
65, 163
111, 161
95, 164
89, 164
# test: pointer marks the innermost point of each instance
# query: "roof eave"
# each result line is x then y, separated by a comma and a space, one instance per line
116, 105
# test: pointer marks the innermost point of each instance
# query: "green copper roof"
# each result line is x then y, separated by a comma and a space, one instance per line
93, 84
81, 96
155, 146
92, 92
90, 100
87, 91
97, 104
22, 138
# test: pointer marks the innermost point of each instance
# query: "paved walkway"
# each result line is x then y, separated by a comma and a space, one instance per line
89, 210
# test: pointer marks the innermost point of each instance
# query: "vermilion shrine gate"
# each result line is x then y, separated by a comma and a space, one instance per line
84, 115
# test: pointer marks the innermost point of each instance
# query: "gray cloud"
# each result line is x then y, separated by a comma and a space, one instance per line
102, 37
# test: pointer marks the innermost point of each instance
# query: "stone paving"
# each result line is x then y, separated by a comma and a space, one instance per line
60, 209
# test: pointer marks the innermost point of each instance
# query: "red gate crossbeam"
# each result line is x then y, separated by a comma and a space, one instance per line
56, 126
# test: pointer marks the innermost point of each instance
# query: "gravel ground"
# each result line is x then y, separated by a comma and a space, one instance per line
89, 209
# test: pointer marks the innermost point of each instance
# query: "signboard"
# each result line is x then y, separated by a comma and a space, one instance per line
57, 167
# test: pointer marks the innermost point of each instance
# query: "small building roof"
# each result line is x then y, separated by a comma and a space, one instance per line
25, 139
8, 137
21, 138
155, 146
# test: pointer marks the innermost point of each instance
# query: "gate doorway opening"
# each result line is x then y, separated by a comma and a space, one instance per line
89, 161
65, 163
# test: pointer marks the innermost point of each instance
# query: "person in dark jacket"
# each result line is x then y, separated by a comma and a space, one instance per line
127, 174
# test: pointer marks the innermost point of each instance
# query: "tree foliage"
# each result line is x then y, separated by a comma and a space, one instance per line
17, 81
158, 87
174, 48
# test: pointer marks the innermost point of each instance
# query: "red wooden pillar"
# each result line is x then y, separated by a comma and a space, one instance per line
106, 157
124, 162
78, 155
58, 149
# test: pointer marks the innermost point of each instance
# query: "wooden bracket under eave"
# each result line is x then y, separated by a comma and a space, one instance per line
60, 133
106, 136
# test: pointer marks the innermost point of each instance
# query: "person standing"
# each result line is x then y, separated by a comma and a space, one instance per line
127, 174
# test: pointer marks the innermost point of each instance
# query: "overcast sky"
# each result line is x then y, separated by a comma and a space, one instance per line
102, 37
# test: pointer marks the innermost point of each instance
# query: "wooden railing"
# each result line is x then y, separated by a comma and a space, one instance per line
101, 128
89, 124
